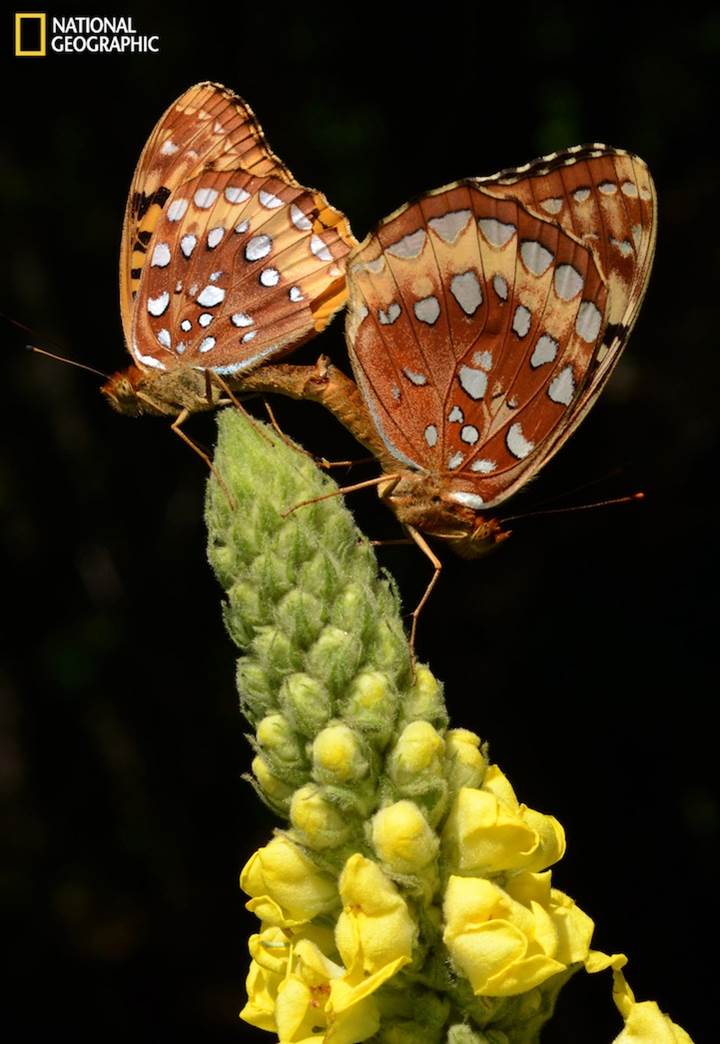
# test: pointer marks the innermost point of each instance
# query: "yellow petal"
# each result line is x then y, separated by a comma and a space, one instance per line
291, 888
375, 927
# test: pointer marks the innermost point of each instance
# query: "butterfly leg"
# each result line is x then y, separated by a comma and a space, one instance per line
176, 427
437, 566
344, 489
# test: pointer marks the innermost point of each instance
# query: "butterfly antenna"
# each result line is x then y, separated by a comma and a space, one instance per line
64, 359
579, 489
632, 498
50, 355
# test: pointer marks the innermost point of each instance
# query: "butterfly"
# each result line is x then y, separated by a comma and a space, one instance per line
483, 322
226, 261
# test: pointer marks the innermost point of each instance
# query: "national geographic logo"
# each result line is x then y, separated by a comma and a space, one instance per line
79, 35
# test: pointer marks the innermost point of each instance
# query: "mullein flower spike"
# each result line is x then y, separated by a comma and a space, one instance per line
409, 896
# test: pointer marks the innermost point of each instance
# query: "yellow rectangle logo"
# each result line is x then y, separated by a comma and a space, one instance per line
30, 40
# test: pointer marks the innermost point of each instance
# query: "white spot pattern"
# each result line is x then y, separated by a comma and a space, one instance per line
188, 244
249, 336
629, 188
455, 461
186, 326
269, 277
581, 194
235, 194
258, 247
568, 282
168, 148
450, 225
545, 351
205, 319
500, 287
608, 188
456, 415
163, 337
535, 257
205, 197
161, 255
157, 305
241, 319
206, 344
320, 249
177, 209
587, 323
210, 296
483, 467
497, 233
418, 379
410, 246
465, 288
562, 387
299, 220
521, 320
471, 500
470, 434
388, 317
474, 382
516, 441
427, 310
269, 201
483, 359
552, 206
214, 236
295, 294
242, 227
431, 435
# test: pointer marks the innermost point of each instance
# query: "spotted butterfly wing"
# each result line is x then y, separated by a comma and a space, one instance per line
226, 259
481, 325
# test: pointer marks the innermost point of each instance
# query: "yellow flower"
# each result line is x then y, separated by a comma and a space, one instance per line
644, 1022
296, 991
285, 887
484, 834
375, 931
507, 941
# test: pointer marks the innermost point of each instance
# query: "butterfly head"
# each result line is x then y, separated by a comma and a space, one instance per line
441, 509
120, 391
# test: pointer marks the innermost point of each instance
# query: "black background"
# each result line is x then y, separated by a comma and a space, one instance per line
583, 650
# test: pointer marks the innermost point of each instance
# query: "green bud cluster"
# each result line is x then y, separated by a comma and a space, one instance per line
325, 675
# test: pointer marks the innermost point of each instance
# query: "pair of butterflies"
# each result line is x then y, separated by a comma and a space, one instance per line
483, 319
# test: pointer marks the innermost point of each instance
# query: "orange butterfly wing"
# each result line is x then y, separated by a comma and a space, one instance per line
217, 231
476, 329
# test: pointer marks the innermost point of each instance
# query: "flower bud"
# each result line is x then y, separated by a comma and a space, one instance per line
321, 824
370, 705
301, 616
338, 757
306, 703
335, 657
464, 759
277, 739
402, 838
276, 792
276, 653
257, 692
418, 754
319, 576
424, 701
